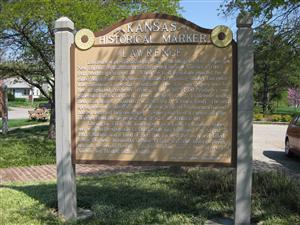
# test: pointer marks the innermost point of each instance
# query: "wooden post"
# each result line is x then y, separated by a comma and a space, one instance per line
245, 127
66, 186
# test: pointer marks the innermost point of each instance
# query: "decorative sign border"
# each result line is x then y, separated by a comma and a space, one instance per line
158, 163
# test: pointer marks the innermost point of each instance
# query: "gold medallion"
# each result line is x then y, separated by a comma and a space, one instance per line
221, 36
84, 39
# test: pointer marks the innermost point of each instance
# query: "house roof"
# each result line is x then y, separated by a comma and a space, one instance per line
16, 83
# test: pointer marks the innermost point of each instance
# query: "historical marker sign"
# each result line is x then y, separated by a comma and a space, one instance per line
154, 89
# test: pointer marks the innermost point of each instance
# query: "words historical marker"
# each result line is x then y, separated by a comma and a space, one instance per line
154, 89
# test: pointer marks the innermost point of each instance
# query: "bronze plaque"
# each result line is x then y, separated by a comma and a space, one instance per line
153, 89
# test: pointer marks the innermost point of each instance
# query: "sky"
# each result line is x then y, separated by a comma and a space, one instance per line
204, 13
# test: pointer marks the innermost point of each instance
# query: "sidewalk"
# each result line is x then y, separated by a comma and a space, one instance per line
48, 172
18, 113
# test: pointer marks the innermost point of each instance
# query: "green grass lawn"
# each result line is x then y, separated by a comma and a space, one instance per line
25, 104
26, 147
287, 110
20, 122
155, 197
163, 196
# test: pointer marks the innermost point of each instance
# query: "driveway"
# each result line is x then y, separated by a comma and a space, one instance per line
18, 113
268, 150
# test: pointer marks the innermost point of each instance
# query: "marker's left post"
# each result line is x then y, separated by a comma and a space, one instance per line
66, 186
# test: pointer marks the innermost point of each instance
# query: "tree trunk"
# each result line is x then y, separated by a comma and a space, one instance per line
4, 108
265, 97
4, 124
51, 131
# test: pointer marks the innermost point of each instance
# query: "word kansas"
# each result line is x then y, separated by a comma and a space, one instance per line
153, 32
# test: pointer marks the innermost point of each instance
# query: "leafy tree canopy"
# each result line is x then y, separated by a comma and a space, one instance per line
276, 66
284, 15
27, 35
276, 42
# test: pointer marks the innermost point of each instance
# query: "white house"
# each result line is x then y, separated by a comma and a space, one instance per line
20, 89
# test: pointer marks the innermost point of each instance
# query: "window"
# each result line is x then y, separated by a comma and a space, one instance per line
26, 92
36, 92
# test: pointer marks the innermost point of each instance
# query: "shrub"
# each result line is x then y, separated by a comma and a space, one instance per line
258, 116
273, 118
21, 100
10, 97
276, 118
286, 118
41, 99
280, 118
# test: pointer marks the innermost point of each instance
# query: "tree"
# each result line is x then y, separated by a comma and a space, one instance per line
277, 66
283, 15
3, 107
277, 45
294, 97
27, 35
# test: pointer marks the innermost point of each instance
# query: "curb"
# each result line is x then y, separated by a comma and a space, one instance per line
271, 123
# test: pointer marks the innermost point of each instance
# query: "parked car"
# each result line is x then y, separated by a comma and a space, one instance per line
292, 137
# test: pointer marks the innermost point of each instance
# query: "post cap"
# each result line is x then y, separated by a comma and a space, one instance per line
64, 23
244, 19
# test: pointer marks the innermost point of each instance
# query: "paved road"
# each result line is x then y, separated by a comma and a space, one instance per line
268, 149
18, 113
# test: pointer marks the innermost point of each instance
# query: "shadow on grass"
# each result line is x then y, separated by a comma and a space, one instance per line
135, 198
274, 193
30, 145
160, 197
37, 130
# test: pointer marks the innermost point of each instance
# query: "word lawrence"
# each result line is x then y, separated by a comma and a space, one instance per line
153, 32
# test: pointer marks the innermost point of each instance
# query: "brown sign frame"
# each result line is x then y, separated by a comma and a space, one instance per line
156, 163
